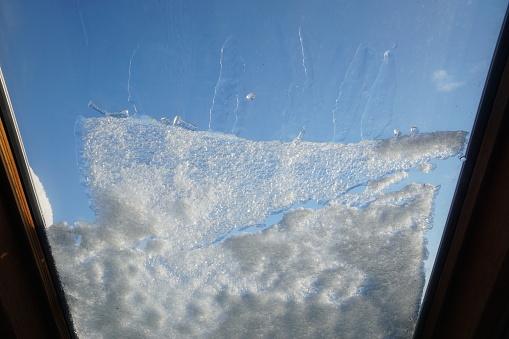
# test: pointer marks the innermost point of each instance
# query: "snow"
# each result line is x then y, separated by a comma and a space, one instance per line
42, 198
161, 261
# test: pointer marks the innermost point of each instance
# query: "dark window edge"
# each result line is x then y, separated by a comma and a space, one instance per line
41, 298
467, 295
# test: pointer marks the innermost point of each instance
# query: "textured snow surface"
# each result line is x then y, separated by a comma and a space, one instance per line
157, 262
42, 198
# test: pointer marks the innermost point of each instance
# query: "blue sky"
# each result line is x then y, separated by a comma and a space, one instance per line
163, 57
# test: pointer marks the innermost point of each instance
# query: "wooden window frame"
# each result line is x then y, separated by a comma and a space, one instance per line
32, 303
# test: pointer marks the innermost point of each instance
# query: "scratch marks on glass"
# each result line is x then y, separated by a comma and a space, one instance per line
299, 112
378, 112
129, 97
353, 92
307, 62
179, 57
287, 113
236, 112
80, 12
227, 112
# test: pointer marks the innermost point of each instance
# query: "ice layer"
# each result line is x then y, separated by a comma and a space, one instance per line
166, 256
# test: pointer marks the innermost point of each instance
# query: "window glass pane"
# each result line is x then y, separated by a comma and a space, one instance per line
241, 168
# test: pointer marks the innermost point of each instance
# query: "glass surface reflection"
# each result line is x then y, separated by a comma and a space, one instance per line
301, 78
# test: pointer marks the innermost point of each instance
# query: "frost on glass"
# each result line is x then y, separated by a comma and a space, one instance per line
180, 249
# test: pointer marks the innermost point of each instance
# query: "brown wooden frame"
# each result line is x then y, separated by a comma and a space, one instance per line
30, 306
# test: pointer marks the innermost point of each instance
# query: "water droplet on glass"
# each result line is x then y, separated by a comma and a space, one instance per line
462, 158
251, 96
414, 130
397, 133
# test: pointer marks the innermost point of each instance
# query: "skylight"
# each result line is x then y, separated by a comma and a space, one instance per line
168, 135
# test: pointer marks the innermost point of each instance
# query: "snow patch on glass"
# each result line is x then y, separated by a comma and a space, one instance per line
156, 262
